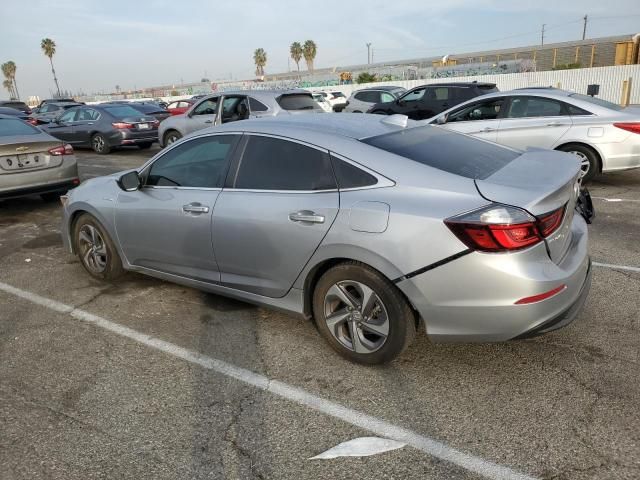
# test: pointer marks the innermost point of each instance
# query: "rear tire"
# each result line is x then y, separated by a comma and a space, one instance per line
384, 326
95, 249
99, 144
170, 137
590, 160
144, 146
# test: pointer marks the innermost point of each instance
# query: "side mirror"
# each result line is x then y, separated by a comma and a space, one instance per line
130, 182
442, 119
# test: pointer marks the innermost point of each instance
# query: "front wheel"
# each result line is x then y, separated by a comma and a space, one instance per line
171, 136
95, 249
362, 315
589, 160
99, 144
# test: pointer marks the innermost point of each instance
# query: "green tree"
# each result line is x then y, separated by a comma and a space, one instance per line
8, 70
366, 77
11, 70
296, 53
9, 86
48, 47
260, 59
309, 51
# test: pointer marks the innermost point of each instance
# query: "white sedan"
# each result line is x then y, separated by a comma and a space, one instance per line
604, 135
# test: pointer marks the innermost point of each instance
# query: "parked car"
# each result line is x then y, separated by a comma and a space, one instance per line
372, 226
54, 100
362, 100
236, 105
105, 126
152, 109
198, 97
32, 162
16, 105
51, 110
336, 99
161, 103
179, 107
428, 100
323, 102
604, 136
18, 114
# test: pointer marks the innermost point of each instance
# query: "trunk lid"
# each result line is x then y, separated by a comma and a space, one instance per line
539, 181
24, 152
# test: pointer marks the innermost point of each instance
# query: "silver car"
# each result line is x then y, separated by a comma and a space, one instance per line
370, 225
211, 110
32, 162
362, 100
605, 136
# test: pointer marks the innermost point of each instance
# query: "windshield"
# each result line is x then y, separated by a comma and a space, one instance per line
10, 127
446, 150
597, 101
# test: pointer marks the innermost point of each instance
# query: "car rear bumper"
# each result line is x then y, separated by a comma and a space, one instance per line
127, 137
620, 156
31, 182
40, 189
473, 298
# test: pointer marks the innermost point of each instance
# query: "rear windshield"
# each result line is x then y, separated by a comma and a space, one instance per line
446, 150
16, 105
338, 94
122, 111
597, 101
488, 88
297, 101
14, 126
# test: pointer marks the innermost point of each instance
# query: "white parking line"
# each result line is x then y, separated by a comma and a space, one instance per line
616, 199
616, 267
356, 418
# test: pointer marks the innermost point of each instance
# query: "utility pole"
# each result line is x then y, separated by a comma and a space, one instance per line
584, 28
543, 25
368, 53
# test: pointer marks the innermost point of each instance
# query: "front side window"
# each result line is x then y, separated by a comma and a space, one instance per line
276, 164
486, 110
386, 97
527, 107
208, 107
201, 163
414, 95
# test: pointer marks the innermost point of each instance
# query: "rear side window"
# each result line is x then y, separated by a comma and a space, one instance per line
527, 107
16, 105
446, 150
368, 96
256, 106
297, 101
573, 110
276, 164
11, 126
350, 176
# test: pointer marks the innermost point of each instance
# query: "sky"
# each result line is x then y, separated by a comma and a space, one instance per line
142, 43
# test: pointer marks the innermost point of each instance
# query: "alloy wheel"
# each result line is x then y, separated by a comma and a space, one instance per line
356, 316
172, 138
585, 164
98, 143
93, 249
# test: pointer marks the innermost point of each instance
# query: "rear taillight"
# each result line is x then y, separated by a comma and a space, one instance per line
65, 149
155, 123
633, 127
500, 228
122, 125
32, 121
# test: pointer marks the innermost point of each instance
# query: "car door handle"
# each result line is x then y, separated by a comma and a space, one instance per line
306, 216
488, 129
195, 208
208, 121
555, 124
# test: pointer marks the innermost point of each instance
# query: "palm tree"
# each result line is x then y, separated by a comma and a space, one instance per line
48, 47
309, 50
260, 59
296, 53
11, 70
8, 82
9, 86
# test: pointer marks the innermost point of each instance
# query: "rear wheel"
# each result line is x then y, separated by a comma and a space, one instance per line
171, 136
589, 159
362, 315
99, 144
95, 249
144, 146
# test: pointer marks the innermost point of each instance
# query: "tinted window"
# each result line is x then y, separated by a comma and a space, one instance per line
69, 116
275, 164
122, 111
350, 176
597, 101
368, 96
208, 107
338, 94
414, 95
297, 101
257, 106
526, 107
201, 162
446, 150
87, 115
11, 126
573, 110
386, 97
441, 93
16, 105
487, 110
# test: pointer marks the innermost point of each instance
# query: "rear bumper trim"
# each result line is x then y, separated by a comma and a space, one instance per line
433, 265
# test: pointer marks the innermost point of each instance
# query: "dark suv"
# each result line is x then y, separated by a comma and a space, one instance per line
426, 101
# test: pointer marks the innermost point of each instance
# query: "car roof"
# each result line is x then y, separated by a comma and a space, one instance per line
386, 88
266, 92
458, 84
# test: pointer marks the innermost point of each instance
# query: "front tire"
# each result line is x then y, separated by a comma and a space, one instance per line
589, 159
99, 144
362, 315
95, 249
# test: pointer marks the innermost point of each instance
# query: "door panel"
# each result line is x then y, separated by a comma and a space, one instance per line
258, 247
157, 230
541, 132
204, 115
486, 129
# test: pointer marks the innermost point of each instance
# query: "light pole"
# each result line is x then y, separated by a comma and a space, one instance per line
368, 53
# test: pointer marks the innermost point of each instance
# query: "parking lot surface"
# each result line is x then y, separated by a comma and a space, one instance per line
82, 399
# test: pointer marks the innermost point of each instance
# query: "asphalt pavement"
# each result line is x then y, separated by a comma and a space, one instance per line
98, 385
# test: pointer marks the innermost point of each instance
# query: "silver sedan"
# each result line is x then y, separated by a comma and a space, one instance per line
605, 136
370, 225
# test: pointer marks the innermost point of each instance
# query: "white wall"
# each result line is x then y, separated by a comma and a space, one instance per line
609, 78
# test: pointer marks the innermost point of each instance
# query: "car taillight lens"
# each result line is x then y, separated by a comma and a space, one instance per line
633, 127
65, 149
500, 228
155, 123
32, 121
122, 125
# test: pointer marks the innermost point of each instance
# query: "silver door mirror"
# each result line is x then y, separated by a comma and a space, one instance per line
442, 119
130, 182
